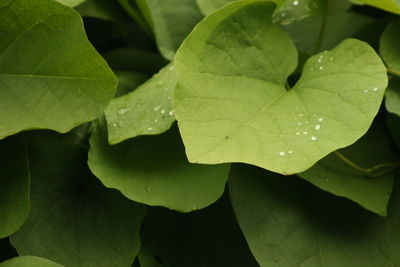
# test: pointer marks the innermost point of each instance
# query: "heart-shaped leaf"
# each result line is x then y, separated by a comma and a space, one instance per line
154, 170
334, 175
74, 220
287, 222
232, 105
146, 111
29, 261
14, 184
50, 75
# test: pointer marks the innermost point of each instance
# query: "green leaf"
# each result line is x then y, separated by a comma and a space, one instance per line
102, 9
208, 238
329, 23
154, 170
71, 3
335, 176
231, 102
73, 219
29, 261
134, 11
392, 97
388, 5
128, 81
56, 82
173, 21
14, 184
209, 6
146, 111
389, 47
287, 223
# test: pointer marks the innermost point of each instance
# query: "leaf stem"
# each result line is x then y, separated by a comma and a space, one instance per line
393, 72
375, 171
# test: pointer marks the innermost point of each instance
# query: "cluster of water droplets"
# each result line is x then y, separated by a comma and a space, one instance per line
306, 127
295, 10
323, 61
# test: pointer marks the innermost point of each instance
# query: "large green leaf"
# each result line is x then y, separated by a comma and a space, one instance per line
390, 47
154, 170
231, 102
14, 184
173, 20
146, 111
329, 23
335, 176
207, 238
289, 224
388, 5
50, 75
74, 220
29, 261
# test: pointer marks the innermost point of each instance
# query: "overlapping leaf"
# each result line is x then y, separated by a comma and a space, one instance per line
231, 102
154, 170
388, 5
50, 75
74, 220
146, 111
29, 261
334, 175
286, 223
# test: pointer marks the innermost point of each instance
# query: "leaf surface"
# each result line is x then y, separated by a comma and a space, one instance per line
232, 106
286, 223
56, 82
146, 111
335, 176
14, 184
388, 5
29, 261
154, 170
74, 220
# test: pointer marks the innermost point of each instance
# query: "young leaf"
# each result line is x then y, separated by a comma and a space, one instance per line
154, 170
231, 102
56, 82
146, 111
14, 184
29, 261
287, 225
207, 238
335, 176
74, 220
388, 5
173, 20
389, 47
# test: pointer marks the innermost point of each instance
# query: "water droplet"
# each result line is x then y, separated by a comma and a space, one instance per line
314, 138
301, 115
366, 91
171, 113
169, 97
321, 119
150, 128
114, 125
124, 111
305, 132
162, 111
296, 2
221, 161
299, 123
298, 133
157, 108
331, 59
317, 127
282, 154
321, 67
160, 83
375, 89
306, 122
290, 152
171, 68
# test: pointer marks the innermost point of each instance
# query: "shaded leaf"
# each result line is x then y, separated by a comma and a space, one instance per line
389, 47
392, 97
56, 82
335, 176
154, 170
14, 184
29, 261
146, 111
231, 102
210, 237
73, 219
102, 9
287, 225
